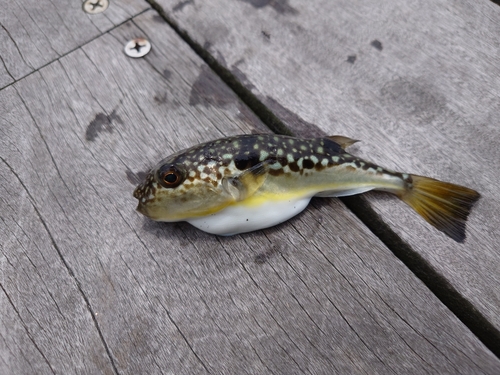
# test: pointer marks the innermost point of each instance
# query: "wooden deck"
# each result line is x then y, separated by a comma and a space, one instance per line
359, 286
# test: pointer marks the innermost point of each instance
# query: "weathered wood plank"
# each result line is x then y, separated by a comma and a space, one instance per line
417, 82
319, 294
43, 314
34, 33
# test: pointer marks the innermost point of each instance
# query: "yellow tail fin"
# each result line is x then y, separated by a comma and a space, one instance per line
444, 205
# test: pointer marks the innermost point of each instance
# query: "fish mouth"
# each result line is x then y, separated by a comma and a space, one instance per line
148, 211
140, 208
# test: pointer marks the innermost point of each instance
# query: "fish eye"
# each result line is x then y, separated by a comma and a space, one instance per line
169, 176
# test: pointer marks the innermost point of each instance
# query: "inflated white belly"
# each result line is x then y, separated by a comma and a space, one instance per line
241, 218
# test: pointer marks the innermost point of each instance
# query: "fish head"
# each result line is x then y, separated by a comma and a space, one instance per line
177, 189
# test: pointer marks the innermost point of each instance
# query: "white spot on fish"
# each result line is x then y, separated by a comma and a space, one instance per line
324, 162
290, 158
280, 152
263, 155
314, 159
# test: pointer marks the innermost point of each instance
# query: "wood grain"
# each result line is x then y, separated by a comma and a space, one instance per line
44, 313
34, 33
91, 286
417, 82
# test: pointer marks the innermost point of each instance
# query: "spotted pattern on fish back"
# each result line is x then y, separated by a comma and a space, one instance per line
210, 162
283, 154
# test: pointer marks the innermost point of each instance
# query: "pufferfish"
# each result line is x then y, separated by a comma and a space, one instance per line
249, 182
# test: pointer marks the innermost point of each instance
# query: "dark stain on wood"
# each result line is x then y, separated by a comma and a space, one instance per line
266, 255
411, 99
167, 74
135, 178
266, 35
161, 99
180, 5
280, 6
209, 90
351, 59
100, 123
207, 45
377, 44
158, 18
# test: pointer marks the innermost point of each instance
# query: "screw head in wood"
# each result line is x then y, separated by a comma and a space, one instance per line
137, 47
95, 6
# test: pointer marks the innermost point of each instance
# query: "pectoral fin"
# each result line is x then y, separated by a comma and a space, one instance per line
247, 183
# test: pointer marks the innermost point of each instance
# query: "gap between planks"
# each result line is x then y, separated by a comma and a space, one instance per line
462, 308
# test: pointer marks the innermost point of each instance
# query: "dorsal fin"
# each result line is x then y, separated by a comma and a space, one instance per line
344, 142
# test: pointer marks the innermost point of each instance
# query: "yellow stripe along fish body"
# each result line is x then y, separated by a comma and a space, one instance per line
249, 182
